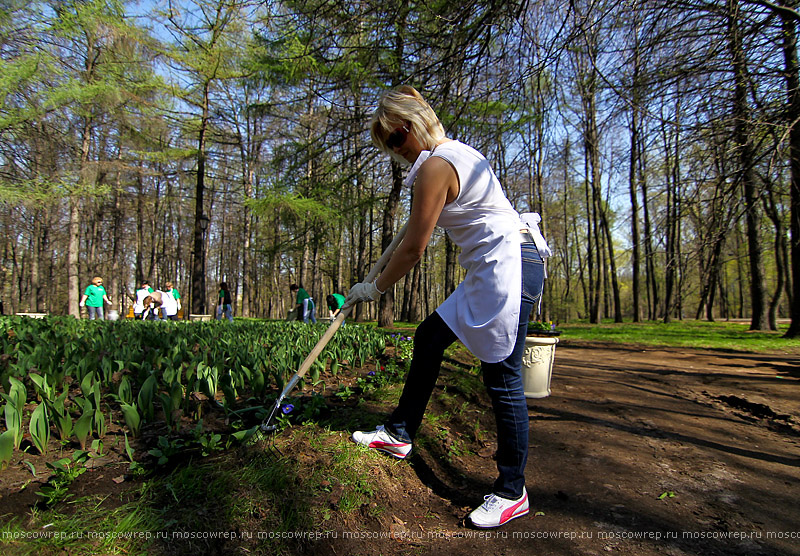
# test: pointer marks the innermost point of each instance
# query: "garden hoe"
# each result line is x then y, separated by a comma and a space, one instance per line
267, 426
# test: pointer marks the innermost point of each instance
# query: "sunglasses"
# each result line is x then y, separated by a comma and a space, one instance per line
398, 137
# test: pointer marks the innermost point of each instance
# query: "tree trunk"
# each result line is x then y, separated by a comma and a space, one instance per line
612, 268
636, 255
709, 274
746, 158
792, 71
36, 244
450, 263
771, 208
117, 248
386, 305
633, 187
592, 188
200, 219
594, 284
651, 279
247, 224
73, 249
671, 162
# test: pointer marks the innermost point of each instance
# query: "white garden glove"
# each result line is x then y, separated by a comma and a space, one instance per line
363, 291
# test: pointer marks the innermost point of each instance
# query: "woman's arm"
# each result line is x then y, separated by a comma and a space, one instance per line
436, 185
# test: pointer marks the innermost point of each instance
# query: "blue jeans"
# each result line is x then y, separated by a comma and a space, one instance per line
95, 312
503, 382
308, 310
227, 309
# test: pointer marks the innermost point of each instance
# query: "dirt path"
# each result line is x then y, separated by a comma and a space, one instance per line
637, 451
623, 427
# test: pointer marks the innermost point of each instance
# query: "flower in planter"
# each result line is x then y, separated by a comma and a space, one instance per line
287, 408
538, 326
542, 328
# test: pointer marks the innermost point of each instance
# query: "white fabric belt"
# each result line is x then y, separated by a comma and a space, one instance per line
527, 236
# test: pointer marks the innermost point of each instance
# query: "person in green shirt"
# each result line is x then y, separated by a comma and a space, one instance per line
93, 298
224, 302
304, 303
335, 302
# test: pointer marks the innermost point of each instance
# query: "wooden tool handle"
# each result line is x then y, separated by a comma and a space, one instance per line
343, 314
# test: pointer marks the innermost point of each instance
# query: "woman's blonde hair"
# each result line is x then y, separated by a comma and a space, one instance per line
96, 279
401, 105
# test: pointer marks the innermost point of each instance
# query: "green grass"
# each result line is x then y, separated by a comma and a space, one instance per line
81, 527
245, 490
689, 333
349, 466
721, 335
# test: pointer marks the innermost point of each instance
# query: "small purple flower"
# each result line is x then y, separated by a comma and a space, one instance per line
287, 409
371, 373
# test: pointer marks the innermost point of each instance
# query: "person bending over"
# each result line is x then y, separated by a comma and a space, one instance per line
456, 189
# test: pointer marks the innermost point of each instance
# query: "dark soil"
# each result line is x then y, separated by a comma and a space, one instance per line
637, 451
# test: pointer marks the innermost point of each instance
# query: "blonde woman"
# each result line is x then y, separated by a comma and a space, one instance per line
456, 189
93, 298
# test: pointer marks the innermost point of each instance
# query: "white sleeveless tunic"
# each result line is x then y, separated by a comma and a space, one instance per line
483, 311
168, 303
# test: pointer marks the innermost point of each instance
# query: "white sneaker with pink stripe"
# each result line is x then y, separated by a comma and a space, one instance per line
496, 511
380, 439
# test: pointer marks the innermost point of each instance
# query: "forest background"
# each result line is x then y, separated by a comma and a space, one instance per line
200, 141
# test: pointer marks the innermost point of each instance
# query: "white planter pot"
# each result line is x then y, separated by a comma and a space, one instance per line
537, 365
201, 318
